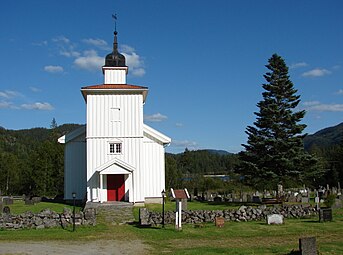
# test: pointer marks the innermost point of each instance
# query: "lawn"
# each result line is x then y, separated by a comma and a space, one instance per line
233, 238
19, 207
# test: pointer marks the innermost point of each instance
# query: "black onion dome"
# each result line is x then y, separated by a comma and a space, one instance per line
115, 58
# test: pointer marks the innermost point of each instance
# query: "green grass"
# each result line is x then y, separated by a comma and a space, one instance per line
19, 207
196, 205
234, 238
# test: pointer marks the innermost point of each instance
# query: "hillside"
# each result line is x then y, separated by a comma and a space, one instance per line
325, 138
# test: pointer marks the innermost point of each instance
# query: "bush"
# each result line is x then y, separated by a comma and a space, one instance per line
330, 200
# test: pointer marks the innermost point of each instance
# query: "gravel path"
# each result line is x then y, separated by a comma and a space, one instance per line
74, 248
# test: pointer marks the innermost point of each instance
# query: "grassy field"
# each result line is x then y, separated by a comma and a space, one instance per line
19, 207
233, 238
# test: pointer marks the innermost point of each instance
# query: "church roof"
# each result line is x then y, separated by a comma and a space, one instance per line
114, 88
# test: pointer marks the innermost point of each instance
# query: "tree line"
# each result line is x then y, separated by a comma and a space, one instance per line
31, 161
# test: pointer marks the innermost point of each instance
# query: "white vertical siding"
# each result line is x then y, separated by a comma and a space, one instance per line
99, 123
153, 168
115, 76
75, 168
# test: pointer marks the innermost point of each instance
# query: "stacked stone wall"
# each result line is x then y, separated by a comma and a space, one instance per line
244, 213
47, 219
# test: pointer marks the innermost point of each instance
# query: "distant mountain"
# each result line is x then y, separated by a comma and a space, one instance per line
29, 137
325, 138
219, 152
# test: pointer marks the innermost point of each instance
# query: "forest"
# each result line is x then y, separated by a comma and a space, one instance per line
31, 163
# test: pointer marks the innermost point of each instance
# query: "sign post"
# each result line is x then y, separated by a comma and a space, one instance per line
179, 194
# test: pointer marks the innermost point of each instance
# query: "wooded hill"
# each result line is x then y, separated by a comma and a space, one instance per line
32, 162
325, 138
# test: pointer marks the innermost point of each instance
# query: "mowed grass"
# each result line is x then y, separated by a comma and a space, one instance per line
233, 238
19, 207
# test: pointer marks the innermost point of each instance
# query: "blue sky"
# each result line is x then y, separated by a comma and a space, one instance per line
203, 62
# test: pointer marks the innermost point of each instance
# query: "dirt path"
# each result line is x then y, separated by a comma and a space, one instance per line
74, 248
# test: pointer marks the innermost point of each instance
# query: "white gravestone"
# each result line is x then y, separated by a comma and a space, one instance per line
275, 219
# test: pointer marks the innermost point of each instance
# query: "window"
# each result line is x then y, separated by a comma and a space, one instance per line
115, 114
115, 148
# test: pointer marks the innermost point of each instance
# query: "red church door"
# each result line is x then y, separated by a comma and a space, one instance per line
115, 187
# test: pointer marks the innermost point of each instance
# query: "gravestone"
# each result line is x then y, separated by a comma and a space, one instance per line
144, 217
6, 210
244, 197
307, 246
325, 214
256, 199
219, 221
7, 200
29, 202
305, 200
217, 199
274, 219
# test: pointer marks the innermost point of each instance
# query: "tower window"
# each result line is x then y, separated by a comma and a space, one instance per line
115, 148
115, 114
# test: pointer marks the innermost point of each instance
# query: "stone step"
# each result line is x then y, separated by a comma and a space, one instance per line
114, 213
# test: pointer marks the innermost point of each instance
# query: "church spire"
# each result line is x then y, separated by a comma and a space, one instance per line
115, 58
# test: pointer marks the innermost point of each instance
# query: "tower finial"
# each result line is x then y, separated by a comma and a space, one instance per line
115, 58
114, 16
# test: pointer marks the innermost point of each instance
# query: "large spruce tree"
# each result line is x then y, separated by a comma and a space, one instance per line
274, 152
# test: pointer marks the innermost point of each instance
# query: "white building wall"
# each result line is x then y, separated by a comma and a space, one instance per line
100, 121
153, 168
115, 76
75, 168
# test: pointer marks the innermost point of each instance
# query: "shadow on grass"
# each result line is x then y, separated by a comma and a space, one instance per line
310, 221
137, 225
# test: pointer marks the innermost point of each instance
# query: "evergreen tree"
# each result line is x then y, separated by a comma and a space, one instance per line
274, 152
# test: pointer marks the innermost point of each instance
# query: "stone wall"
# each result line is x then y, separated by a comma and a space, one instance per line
47, 219
244, 213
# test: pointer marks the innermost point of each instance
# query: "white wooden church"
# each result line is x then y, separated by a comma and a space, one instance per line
115, 156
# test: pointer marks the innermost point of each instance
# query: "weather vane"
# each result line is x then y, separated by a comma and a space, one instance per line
114, 16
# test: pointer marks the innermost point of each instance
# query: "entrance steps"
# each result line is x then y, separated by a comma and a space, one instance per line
115, 213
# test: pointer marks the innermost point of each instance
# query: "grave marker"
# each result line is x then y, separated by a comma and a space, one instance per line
6, 210
219, 222
274, 219
307, 246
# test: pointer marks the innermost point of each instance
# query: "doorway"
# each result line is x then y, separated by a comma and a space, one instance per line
115, 187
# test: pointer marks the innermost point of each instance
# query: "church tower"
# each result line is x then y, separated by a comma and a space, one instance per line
125, 157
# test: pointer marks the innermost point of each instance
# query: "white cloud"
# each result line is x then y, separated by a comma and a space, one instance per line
157, 117
5, 105
101, 44
61, 39
184, 144
34, 89
69, 53
319, 107
339, 92
133, 60
42, 43
297, 65
38, 106
178, 124
138, 72
317, 72
126, 48
9, 94
53, 69
89, 61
